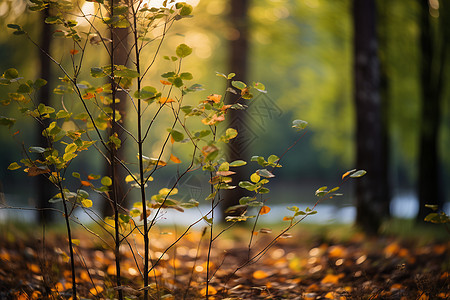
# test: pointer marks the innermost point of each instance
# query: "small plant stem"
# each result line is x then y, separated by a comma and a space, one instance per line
69, 236
141, 159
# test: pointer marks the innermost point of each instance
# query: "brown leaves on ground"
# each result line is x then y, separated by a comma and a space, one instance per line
359, 268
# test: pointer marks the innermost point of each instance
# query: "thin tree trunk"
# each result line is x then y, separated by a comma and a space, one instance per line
121, 55
433, 60
238, 61
369, 135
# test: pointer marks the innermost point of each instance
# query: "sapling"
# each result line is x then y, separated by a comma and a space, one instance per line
193, 126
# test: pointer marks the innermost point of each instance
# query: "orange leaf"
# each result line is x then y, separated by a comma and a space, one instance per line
90, 177
175, 159
287, 218
88, 96
165, 82
264, 210
345, 174
337, 252
214, 98
260, 274
73, 51
96, 290
172, 140
165, 100
99, 90
211, 291
85, 183
333, 279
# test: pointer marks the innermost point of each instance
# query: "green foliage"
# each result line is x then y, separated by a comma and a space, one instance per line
436, 217
159, 124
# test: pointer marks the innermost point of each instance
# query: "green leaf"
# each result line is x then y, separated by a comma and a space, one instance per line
265, 173
186, 76
7, 121
106, 181
177, 82
97, 72
259, 87
183, 50
359, 173
321, 191
39, 83
238, 84
76, 175
176, 135
224, 167
72, 147
125, 72
238, 163
14, 26
14, 166
186, 10
11, 73
299, 124
245, 200
36, 150
273, 159
147, 92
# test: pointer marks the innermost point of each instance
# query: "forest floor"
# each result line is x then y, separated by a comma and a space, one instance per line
313, 262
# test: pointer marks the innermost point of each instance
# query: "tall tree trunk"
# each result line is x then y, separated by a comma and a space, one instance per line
121, 57
434, 47
45, 189
369, 136
238, 58
383, 31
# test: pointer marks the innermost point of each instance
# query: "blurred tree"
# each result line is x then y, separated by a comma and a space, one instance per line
434, 45
383, 29
238, 64
369, 137
120, 56
45, 189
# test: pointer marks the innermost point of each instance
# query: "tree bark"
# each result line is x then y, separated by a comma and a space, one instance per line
434, 47
370, 191
238, 60
121, 57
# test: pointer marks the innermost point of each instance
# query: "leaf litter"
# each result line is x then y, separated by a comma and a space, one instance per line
357, 268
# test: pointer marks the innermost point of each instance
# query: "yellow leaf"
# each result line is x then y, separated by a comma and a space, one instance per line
175, 159
255, 178
86, 203
76, 242
260, 274
264, 210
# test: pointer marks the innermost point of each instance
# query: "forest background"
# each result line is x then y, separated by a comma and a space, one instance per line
302, 50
